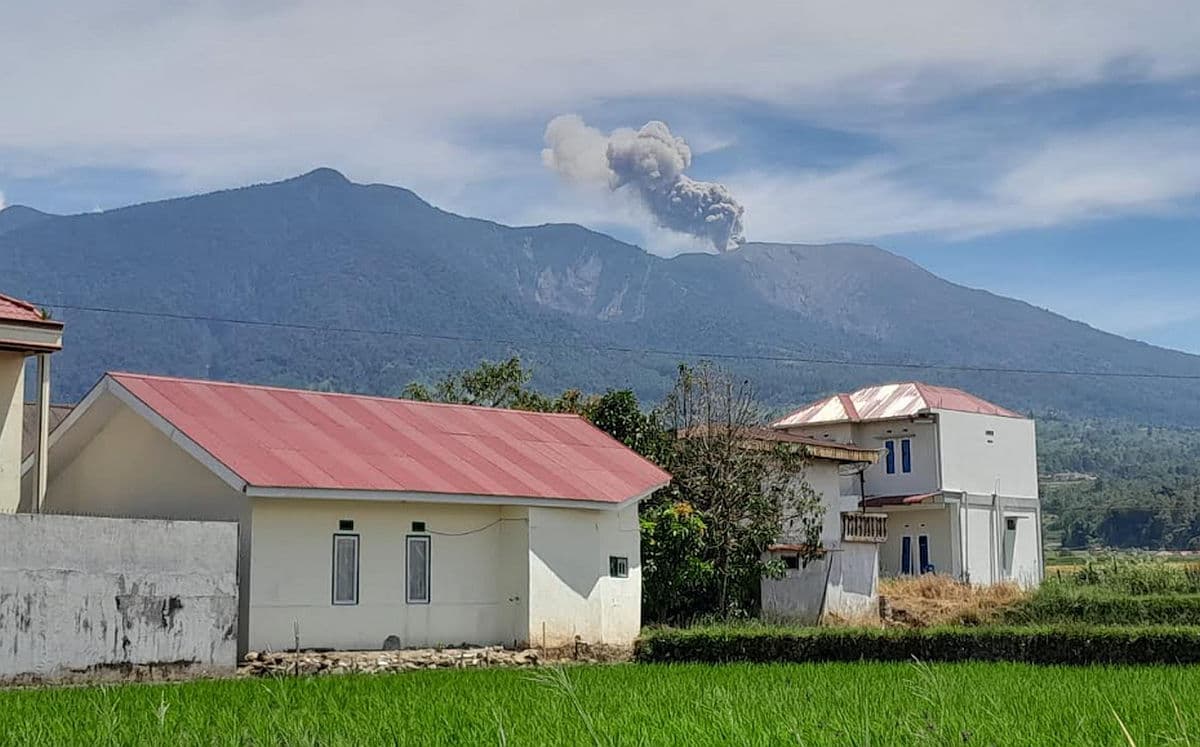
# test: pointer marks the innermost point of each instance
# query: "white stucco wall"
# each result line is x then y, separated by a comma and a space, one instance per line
570, 590
980, 464
924, 475
12, 393
475, 579
932, 521
845, 580
78, 593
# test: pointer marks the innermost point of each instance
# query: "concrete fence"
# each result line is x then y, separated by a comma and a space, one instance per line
86, 596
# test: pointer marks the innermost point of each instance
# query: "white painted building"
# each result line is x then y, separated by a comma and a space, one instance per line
843, 579
24, 332
366, 519
957, 478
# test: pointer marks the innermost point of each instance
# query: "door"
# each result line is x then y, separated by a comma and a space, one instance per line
923, 554
906, 555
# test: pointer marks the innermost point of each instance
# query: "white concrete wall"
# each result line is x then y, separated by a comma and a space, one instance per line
475, 585
12, 396
128, 468
980, 464
78, 593
570, 590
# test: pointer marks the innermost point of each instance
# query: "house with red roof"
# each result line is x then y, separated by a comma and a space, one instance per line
370, 522
25, 331
957, 478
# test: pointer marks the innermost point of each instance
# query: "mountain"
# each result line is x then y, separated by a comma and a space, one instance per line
586, 310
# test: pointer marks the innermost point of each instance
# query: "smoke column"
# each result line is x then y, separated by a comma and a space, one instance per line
648, 163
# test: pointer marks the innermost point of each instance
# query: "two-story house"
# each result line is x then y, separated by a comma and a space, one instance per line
957, 478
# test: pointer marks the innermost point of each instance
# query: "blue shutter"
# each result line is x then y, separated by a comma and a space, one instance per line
923, 553
906, 554
906, 455
891, 456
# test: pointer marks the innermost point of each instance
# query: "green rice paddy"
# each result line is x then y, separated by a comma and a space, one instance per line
844, 704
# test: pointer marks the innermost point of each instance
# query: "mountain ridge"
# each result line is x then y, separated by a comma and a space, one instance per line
321, 250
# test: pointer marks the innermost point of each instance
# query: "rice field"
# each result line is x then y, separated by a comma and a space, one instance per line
844, 704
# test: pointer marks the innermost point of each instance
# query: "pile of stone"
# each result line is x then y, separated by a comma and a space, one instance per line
257, 664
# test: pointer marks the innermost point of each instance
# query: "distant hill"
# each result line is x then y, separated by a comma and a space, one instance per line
581, 306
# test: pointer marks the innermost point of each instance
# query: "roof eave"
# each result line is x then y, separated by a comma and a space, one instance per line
402, 496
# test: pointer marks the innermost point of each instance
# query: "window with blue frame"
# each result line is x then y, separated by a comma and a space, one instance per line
923, 553
906, 455
891, 456
906, 554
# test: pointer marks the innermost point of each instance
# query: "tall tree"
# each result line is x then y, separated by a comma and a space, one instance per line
733, 494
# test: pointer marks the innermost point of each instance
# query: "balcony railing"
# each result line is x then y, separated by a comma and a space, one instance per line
863, 527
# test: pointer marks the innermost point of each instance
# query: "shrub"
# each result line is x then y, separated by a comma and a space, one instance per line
1055, 604
1138, 576
1038, 645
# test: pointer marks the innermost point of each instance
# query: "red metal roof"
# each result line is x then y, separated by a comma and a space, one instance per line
16, 310
287, 438
890, 401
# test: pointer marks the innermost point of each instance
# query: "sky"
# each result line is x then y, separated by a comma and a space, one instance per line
1047, 151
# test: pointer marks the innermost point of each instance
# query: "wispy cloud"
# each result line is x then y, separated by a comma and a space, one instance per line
1066, 177
396, 89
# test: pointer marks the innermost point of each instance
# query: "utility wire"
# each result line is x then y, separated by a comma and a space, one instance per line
618, 348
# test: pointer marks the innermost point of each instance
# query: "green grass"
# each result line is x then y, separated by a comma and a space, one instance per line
845, 704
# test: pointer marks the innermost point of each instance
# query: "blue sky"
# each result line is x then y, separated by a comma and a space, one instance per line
1046, 151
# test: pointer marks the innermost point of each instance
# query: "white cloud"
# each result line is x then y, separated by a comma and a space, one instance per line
127, 85
3, 204
1151, 167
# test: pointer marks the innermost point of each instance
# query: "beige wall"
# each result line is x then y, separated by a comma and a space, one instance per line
496, 585
497, 575
474, 585
570, 590
12, 394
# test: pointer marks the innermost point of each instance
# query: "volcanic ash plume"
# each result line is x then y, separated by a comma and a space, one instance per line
648, 163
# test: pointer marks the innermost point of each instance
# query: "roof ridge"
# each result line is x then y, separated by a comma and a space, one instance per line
20, 302
375, 397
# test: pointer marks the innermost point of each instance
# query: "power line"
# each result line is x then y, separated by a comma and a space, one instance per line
619, 348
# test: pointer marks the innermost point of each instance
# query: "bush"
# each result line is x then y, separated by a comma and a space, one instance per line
1138, 576
1038, 645
1101, 607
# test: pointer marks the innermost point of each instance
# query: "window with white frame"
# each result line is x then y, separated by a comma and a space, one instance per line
906, 455
618, 566
345, 569
417, 576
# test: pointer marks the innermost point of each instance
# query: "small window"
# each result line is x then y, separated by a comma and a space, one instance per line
417, 590
891, 456
906, 455
346, 525
791, 562
618, 566
418, 526
1011, 524
345, 569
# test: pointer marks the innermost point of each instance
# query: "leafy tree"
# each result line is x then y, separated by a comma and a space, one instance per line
744, 493
490, 384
